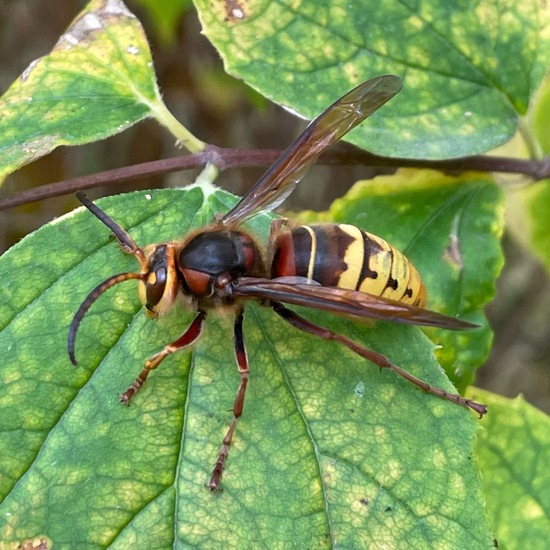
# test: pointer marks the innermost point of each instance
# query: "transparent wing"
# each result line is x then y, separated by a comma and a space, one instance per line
344, 302
336, 121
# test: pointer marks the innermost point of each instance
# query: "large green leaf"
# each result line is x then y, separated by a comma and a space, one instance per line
450, 229
97, 81
329, 451
513, 453
469, 66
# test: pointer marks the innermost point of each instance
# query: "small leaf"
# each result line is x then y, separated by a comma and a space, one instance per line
97, 81
469, 68
329, 451
513, 453
450, 229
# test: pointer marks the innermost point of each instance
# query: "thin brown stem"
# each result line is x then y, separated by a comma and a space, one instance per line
230, 158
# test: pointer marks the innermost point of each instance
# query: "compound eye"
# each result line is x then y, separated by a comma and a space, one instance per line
155, 286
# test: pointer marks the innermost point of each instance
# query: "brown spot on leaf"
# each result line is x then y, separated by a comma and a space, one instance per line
235, 10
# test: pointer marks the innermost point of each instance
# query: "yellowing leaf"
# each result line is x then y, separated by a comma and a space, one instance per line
97, 81
513, 453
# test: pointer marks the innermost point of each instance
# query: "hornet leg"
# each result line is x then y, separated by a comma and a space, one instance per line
188, 338
377, 358
242, 365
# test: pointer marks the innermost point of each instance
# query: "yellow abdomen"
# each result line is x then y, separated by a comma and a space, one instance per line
345, 256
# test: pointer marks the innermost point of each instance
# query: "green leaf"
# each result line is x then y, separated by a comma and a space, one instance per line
469, 67
97, 81
450, 229
329, 451
513, 453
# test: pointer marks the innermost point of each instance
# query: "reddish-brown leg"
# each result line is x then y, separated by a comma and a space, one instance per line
378, 359
242, 365
188, 338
